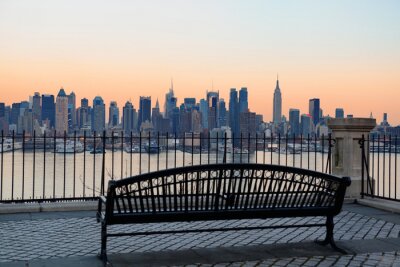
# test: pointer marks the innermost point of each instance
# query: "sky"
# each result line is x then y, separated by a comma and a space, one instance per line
347, 53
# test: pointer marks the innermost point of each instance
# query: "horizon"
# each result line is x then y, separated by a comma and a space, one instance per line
344, 53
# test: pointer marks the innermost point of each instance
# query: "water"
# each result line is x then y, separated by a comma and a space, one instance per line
49, 175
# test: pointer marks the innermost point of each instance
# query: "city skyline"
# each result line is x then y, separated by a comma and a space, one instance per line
340, 52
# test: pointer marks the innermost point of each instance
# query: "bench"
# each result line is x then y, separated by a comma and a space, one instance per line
221, 192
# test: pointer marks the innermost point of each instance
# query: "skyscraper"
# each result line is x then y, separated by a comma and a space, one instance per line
98, 115
204, 113
277, 105
48, 110
127, 118
222, 113
72, 109
36, 107
61, 112
305, 125
234, 112
294, 122
314, 110
144, 110
339, 113
170, 102
243, 101
113, 114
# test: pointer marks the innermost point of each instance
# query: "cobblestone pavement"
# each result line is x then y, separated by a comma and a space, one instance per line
367, 259
55, 238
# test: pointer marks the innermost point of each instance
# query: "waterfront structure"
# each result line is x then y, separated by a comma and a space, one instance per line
48, 110
144, 110
314, 110
113, 114
294, 122
98, 115
243, 100
339, 113
277, 105
61, 112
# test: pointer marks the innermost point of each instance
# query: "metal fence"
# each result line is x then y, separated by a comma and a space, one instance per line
71, 167
380, 174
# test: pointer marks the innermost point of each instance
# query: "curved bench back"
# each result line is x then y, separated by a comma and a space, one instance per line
226, 188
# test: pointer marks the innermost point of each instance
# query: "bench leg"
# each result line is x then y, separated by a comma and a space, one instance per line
329, 236
103, 251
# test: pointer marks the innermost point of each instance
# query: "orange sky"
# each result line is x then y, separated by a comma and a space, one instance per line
345, 55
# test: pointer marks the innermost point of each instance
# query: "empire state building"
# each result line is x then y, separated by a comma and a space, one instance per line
277, 107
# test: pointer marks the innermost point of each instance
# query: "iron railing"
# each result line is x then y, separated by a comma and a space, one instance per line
78, 167
379, 173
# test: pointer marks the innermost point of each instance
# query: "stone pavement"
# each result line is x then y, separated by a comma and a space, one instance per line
371, 236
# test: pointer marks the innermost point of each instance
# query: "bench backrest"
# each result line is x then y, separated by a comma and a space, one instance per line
226, 187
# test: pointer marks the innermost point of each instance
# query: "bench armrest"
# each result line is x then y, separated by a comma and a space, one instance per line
102, 200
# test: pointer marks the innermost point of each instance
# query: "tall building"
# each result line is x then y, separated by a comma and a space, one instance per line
305, 125
98, 115
294, 122
72, 109
113, 114
222, 121
277, 105
127, 118
36, 107
61, 112
204, 113
314, 110
234, 112
48, 110
15, 113
212, 101
190, 103
170, 102
243, 100
84, 116
339, 113
144, 110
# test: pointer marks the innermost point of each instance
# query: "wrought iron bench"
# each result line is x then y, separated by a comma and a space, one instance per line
221, 192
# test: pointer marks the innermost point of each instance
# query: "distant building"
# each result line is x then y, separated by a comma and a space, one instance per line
72, 110
127, 118
222, 120
48, 109
36, 107
189, 102
170, 102
204, 113
243, 100
234, 112
277, 105
314, 110
294, 122
339, 113
144, 110
98, 115
61, 112
113, 114
306, 125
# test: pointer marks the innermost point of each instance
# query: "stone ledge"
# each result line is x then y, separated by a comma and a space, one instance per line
45, 207
382, 204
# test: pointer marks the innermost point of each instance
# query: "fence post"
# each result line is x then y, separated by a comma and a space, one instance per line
362, 142
346, 158
103, 165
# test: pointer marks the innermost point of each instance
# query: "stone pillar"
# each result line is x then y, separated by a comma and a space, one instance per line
346, 156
